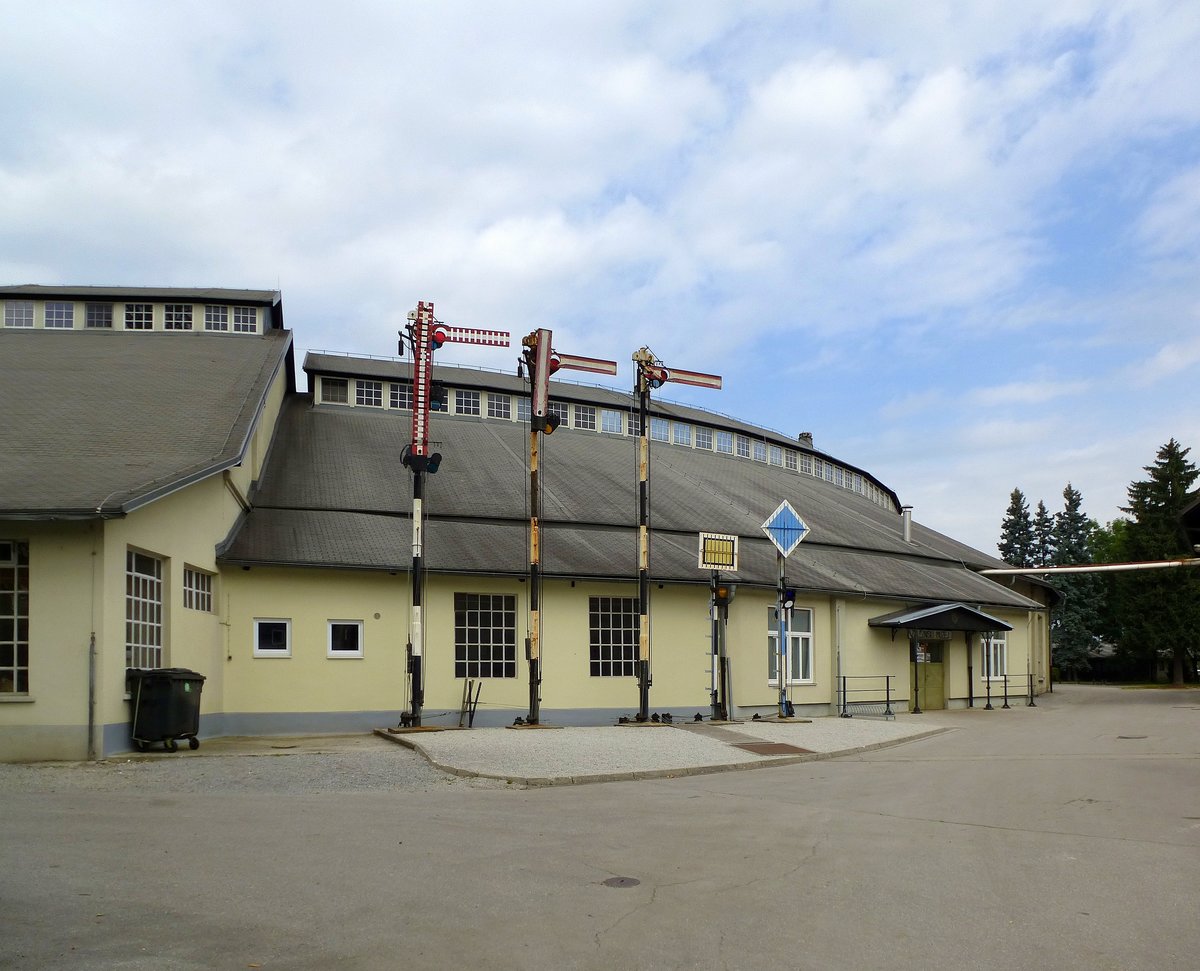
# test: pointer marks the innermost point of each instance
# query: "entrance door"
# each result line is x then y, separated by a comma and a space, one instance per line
929, 675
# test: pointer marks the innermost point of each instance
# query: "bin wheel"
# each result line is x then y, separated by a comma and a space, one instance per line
171, 745
141, 746
193, 743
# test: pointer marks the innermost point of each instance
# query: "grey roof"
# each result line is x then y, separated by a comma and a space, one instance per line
335, 494
37, 291
953, 616
99, 422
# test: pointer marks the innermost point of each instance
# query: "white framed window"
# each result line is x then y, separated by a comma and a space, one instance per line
660, 430
561, 409
839, 476
800, 647
585, 417
499, 405
743, 447
98, 315
704, 437
789, 460
485, 635
139, 316
725, 442
216, 317
400, 395
143, 610
806, 463
177, 316
523, 409
610, 421
14, 617
272, 637
345, 639
818, 468
466, 402
613, 633
995, 655
828, 472
635, 423
18, 313
858, 483
197, 589
681, 433
368, 393
245, 320
760, 451
775, 454
335, 390
60, 315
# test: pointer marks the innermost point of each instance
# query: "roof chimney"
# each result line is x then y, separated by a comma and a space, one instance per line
906, 523
805, 439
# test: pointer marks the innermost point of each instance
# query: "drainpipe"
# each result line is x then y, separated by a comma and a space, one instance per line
91, 721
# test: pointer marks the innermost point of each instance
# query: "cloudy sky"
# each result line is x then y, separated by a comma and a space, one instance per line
955, 241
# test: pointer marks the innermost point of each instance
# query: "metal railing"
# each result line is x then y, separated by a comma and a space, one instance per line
1023, 682
872, 695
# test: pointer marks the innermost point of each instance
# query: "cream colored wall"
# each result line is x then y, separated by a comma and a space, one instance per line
308, 680
63, 611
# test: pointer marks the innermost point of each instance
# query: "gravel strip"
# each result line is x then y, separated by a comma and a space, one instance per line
833, 734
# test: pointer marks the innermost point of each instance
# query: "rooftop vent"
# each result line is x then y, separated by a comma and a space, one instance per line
805, 439
906, 523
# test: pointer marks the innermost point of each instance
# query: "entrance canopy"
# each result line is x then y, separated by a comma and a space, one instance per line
939, 617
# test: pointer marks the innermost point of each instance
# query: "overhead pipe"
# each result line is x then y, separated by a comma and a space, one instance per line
1092, 568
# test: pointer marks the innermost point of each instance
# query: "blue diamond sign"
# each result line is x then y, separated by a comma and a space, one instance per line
785, 528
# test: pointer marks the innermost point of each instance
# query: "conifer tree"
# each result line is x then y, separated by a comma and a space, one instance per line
1076, 621
1042, 550
1016, 532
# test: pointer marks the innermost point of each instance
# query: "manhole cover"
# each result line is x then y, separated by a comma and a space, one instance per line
622, 882
772, 748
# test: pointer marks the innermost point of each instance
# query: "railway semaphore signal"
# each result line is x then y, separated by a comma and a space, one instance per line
425, 335
651, 374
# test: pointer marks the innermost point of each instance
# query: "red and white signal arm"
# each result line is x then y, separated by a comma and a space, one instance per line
718, 551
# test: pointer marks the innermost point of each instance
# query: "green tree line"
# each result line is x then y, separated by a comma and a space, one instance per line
1137, 621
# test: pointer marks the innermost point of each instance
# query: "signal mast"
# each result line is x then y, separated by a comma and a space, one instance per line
425, 335
542, 360
651, 374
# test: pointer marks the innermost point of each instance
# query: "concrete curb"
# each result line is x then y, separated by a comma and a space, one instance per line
538, 782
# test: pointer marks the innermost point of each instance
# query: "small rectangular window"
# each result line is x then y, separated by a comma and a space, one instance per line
610, 421
775, 454
585, 417
216, 317
743, 447
635, 423
98, 315
995, 655
245, 320
18, 313
806, 464
681, 433
60, 314
725, 442
335, 390
523, 409
345, 638
828, 472
704, 437
466, 402
800, 647
789, 460
177, 316
499, 406
559, 408
272, 637
660, 430
197, 589
368, 393
760, 451
401, 395
139, 316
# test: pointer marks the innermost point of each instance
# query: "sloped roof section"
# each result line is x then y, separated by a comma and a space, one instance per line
952, 616
97, 423
335, 494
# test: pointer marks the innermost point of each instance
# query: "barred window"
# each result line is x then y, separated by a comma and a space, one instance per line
335, 390
400, 395
499, 406
613, 629
466, 402
14, 617
98, 315
725, 442
585, 417
139, 316
704, 437
485, 635
368, 393
245, 320
60, 314
216, 317
197, 589
610, 421
177, 316
681, 434
143, 610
